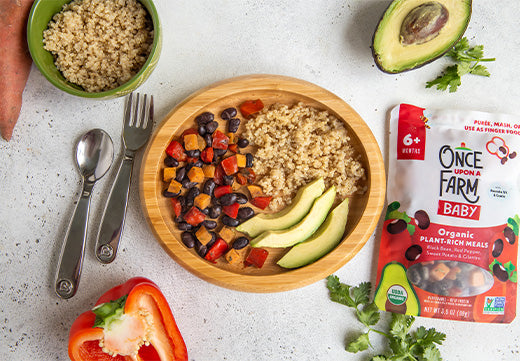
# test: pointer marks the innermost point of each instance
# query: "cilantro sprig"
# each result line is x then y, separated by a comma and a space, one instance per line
403, 344
467, 61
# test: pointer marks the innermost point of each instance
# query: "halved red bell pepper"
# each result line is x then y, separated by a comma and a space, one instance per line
176, 150
216, 250
250, 107
261, 202
130, 322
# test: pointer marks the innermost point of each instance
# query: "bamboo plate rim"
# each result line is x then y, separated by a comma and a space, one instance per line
287, 279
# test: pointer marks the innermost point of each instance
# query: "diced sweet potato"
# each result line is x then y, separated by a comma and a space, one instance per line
227, 234
452, 274
196, 175
241, 160
232, 138
202, 201
208, 170
255, 191
174, 187
438, 272
191, 142
169, 173
476, 278
233, 257
203, 235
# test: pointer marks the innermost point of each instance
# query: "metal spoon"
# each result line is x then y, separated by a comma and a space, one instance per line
94, 156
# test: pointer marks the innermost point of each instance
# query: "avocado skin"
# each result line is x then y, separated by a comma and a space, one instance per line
426, 61
394, 273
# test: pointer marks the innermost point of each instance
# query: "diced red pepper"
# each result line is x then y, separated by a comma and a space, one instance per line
194, 216
249, 174
256, 257
221, 190
189, 131
192, 159
233, 148
219, 175
207, 155
220, 140
231, 210
230, 165
250, 107
216, 250
176, 150
261, 202
177, 207
241, 179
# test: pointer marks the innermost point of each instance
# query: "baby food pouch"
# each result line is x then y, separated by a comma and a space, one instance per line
450, 237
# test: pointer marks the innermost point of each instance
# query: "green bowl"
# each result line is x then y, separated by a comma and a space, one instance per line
42, 12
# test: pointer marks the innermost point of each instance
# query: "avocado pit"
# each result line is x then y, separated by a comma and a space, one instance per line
423, 23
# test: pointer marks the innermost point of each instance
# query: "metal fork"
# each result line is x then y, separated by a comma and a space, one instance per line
137, 128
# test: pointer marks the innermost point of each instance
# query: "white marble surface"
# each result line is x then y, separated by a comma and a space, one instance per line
324, 42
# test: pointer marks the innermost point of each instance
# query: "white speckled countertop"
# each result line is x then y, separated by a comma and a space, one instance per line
324, 42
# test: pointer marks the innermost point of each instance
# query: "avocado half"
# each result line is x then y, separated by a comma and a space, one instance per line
413, 33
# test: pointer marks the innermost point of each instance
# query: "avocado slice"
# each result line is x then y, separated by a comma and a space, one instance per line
394, 292
412, 33
287, 217
320, 243
302, 230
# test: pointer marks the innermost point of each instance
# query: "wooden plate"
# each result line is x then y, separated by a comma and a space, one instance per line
365, 209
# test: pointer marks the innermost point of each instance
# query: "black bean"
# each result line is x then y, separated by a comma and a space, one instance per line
512, 155
413, 252
198, 163
422, 218
205, 211
500, 272
245, 213
240, 243
170, 194
202, 130
209, 224
503, 160
181, 173
171, 162
215, 211
414, 276
188, 239
228, 221
204, 118
242, 143
510, 235
211, 127
193, 153
178, 219
233, 125
241, 198
208, 139
183, 226
187, 184
182, 200
229, 180
502, 149
192, 193
209, 187
201, 249
498, 247
228, 113
228, 199
219, 152
396, 226
249, 160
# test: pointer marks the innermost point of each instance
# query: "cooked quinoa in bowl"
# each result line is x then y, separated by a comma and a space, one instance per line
100, 44
296, 144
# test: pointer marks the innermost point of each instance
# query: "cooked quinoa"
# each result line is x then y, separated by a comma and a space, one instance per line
100, 44
297, 144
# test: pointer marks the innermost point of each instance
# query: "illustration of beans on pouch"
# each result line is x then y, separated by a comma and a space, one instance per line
446, 277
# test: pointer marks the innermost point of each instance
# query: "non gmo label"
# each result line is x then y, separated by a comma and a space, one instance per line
397, 295
494, 306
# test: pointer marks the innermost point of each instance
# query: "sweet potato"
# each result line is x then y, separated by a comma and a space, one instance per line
15, 61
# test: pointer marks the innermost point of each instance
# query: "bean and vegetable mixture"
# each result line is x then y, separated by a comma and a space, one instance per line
207, 170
